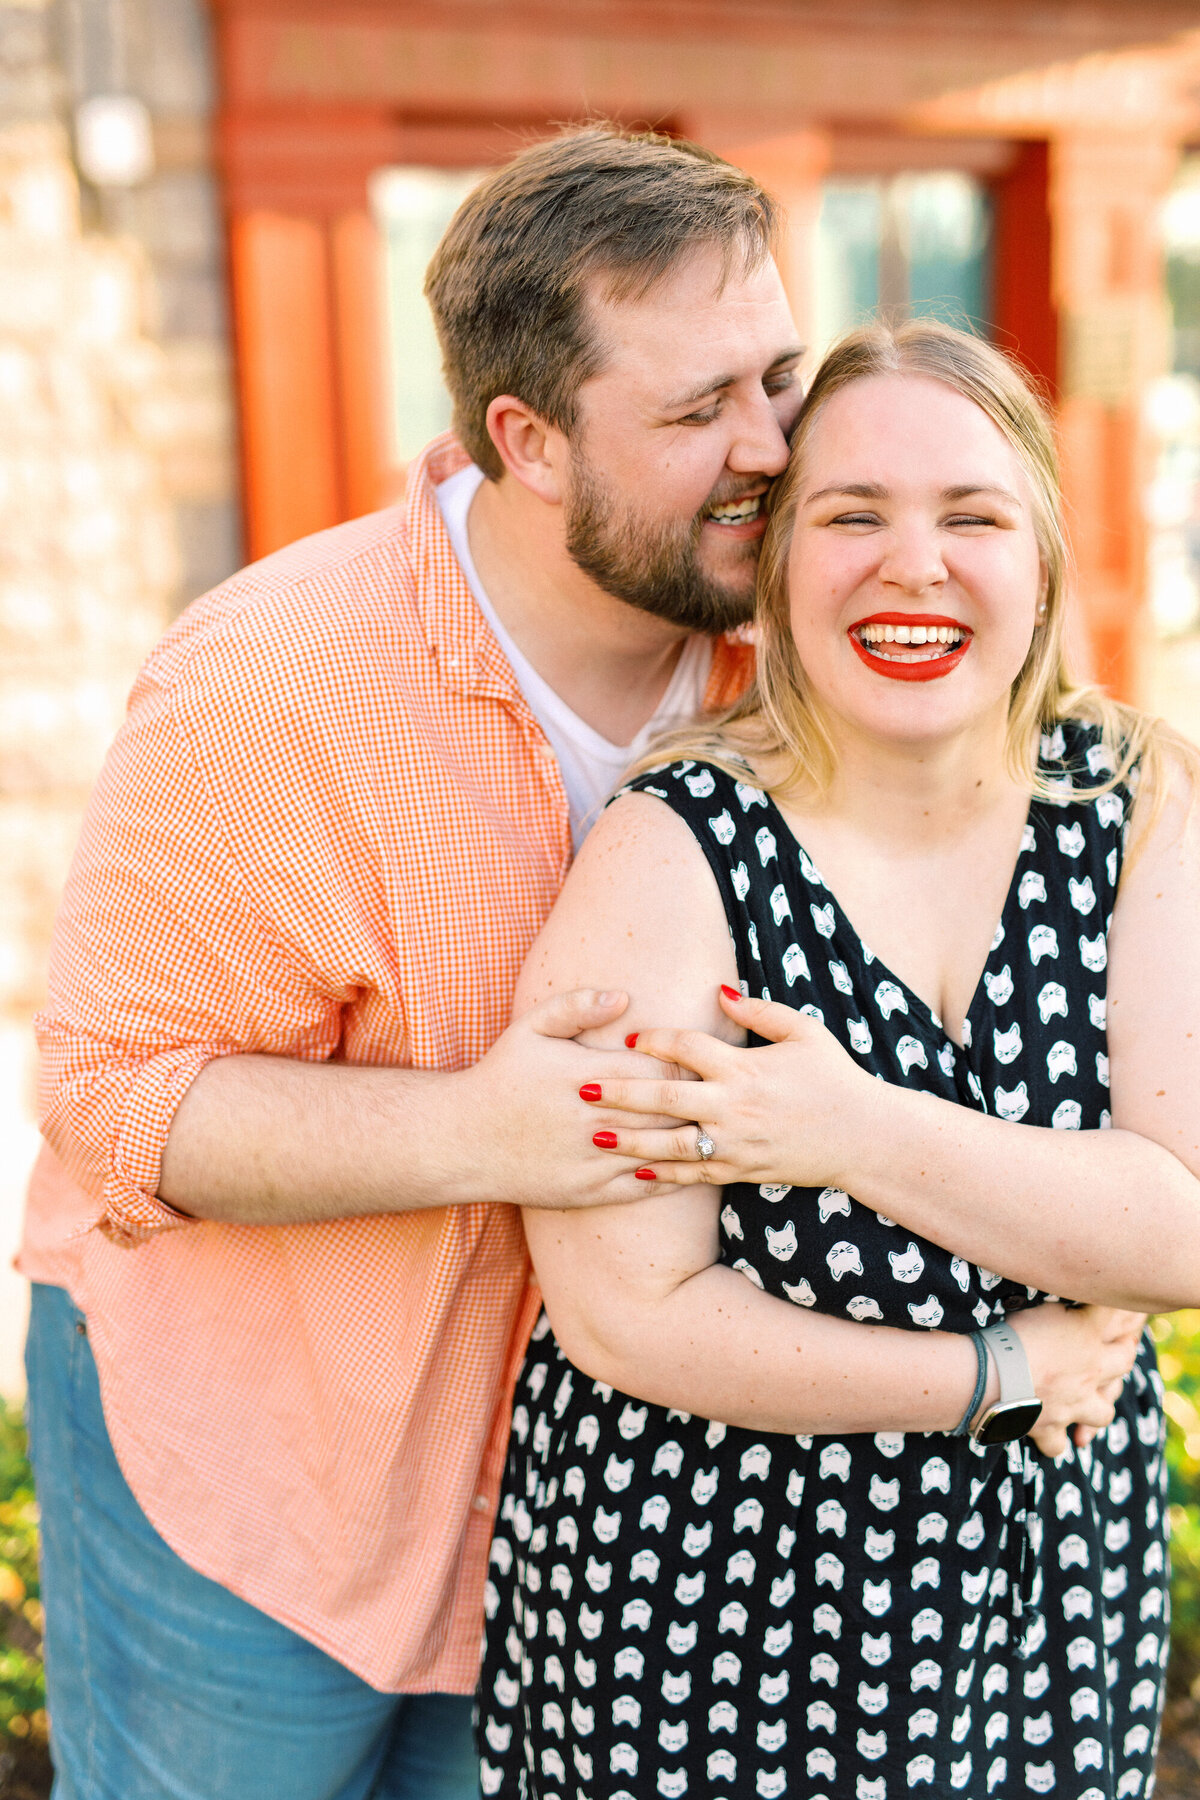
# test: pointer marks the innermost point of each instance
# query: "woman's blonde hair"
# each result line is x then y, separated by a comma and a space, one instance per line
778, 723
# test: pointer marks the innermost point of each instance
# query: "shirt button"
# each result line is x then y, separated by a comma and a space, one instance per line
480, 1503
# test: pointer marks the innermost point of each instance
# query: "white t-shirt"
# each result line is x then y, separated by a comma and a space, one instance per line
591, 767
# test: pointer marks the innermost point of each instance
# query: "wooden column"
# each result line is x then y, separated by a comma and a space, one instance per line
1106, 190
360, 364
792, 168
283, 324
1024, 316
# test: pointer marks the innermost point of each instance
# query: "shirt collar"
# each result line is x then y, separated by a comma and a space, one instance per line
469, 658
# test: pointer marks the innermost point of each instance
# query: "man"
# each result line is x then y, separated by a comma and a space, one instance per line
279, 1092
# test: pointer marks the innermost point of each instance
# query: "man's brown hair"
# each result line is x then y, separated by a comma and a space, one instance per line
508, 284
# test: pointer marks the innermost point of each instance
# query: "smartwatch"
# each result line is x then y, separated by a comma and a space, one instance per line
1018, 1409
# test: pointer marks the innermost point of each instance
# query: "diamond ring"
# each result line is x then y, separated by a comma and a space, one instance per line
705, 1148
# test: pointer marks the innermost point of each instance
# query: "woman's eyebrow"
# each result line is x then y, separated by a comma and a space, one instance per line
874, 490
861, 490
980, 487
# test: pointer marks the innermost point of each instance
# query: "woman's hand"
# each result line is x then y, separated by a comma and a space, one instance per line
1079, 1357
786, 1111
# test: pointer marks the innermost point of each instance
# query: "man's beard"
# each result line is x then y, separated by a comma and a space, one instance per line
654, 567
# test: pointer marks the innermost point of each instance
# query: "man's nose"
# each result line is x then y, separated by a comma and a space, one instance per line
759, 447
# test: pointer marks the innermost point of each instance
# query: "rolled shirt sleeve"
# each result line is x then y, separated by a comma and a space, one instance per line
168, 953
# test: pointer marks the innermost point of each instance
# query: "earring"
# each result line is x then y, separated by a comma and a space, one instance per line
1039, 617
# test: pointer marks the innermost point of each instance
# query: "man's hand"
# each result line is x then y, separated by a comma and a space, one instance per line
273, 1140
791, 1110
521, 1130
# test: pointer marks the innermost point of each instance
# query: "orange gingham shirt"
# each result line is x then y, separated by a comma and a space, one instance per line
330, 828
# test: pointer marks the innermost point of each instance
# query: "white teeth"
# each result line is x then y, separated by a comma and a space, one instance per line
736, 512
915, 637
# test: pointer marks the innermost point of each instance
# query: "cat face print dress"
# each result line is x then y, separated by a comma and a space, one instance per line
677, 1607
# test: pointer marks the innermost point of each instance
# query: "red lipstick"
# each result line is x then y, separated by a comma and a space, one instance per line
930, 668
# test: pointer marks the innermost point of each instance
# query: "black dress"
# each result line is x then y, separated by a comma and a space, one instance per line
678, 1607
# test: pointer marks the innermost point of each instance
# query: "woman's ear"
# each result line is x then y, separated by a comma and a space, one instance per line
532, 451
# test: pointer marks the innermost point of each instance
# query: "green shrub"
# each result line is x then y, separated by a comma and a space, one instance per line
22, 1690
1178, 1338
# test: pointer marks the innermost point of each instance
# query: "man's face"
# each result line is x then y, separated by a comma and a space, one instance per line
678, 439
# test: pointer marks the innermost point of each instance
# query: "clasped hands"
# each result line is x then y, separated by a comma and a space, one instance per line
798, 1109
789, 1110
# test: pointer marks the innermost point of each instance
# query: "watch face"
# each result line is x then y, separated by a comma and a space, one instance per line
1001, 1424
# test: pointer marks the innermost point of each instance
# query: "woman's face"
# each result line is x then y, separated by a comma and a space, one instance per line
914, 575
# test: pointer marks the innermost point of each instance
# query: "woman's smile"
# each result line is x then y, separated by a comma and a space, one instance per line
910, 646
915, 543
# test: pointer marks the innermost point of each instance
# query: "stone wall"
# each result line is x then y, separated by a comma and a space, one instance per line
116, 465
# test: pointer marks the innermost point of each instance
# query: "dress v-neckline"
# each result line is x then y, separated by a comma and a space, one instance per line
846, 928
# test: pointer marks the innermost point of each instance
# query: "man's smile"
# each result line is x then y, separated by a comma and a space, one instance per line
743, 518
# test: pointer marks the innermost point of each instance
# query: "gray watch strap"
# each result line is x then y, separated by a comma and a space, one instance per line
1012, 1364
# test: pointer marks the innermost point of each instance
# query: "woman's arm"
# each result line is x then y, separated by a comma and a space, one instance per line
1111, 1217
635, 1293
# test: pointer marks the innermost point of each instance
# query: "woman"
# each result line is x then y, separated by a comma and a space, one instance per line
835, 1591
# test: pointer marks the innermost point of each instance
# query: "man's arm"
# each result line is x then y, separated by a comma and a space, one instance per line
188, 1046
267, 1140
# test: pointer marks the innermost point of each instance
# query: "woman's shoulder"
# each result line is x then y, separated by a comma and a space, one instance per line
689, 783
719, 806
1088, 770
1078, 753
1086, 782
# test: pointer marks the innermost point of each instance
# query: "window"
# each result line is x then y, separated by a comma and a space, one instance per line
412, 207
908, 244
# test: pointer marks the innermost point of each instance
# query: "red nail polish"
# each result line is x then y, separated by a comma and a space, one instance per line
590, 1091
645, 1174
729, 992
605, 1140
631, 1041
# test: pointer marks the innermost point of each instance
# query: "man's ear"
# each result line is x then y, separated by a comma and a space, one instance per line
533, 452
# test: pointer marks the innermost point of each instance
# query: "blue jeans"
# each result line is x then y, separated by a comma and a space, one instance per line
165, 1686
